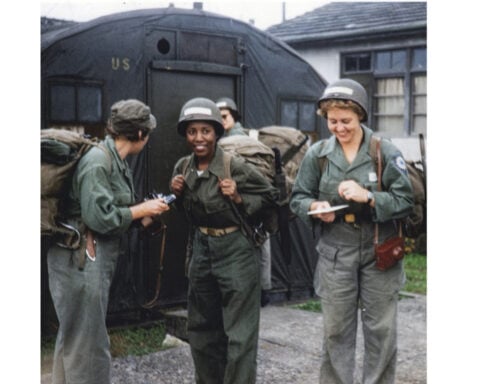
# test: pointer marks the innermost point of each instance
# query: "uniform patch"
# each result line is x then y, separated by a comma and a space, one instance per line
400, 163
372, 177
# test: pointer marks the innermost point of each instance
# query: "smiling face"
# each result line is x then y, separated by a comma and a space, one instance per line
201, 139
345, 125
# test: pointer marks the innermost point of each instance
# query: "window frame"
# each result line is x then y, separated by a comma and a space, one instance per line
370, 77
76, 85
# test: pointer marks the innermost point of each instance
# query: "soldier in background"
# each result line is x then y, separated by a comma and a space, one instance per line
233, 126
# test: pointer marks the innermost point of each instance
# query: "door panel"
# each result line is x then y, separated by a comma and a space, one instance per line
165, 147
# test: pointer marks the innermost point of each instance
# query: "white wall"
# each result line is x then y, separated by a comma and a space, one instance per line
325, 61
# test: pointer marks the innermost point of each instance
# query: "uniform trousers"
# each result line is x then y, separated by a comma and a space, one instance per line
347, 281
80, 298
224, 309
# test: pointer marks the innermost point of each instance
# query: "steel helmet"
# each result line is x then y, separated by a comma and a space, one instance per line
200, 109
226, 102
347, 89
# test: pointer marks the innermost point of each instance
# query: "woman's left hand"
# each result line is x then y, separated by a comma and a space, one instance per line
352, 191
228, 188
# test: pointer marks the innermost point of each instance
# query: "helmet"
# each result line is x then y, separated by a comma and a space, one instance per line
346, 89
200, 109
226, 102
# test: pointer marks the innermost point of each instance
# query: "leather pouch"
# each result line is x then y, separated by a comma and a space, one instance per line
388, 253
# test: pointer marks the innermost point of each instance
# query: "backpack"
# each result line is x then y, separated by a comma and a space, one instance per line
262, 158
61, 151
292, 144
414, 223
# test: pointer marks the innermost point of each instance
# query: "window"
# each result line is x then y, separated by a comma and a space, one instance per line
397, 80
389, 105
75, 102
358, 62
419, 104
298, 114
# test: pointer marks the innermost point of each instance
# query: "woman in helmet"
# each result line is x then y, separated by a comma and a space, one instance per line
224, 286
340, 171
101, 204
230, 117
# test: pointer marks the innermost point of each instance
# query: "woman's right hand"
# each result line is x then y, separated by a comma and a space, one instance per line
151, 207
177, 184
326, 217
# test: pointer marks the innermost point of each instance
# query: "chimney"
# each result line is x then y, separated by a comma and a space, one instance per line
283, 11
198, 5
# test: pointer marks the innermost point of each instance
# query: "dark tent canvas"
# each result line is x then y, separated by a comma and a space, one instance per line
165, 57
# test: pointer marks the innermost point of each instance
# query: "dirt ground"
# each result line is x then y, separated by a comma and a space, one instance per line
289, 346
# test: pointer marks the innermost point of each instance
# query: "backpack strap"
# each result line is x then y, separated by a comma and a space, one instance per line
227, 160
322, 161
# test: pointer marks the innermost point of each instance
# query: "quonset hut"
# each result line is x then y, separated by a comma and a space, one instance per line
164, 57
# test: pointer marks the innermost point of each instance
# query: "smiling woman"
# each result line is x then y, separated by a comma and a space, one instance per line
223, 270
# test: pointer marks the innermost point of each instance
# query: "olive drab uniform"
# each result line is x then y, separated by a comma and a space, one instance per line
346, 277
224, 288
237, 129
79, 286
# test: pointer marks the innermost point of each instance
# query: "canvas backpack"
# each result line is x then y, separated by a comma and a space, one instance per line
61, 151
414, 223
262, 158
291, 143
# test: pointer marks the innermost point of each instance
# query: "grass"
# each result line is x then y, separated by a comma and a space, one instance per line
415, 266
135, 341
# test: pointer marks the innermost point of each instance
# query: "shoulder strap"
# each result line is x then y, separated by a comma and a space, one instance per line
227, 159
186, 160
322, 161
377, 156
107, 152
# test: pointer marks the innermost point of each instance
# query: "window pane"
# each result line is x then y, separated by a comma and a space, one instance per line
389, 106
364, 63
307, 117
62, 103
382, 60
350, 64
419, 60
399, 58
420, 104
89, 104
289, 114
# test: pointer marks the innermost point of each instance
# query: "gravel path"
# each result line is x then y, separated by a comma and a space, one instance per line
288, 353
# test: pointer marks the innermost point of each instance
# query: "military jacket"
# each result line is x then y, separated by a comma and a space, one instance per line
237, 129
102, 191
393, 202
203, 201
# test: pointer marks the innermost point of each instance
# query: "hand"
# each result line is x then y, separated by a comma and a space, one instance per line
328, 217
177, 184
149, 208
352, 191
155, 206
228, 187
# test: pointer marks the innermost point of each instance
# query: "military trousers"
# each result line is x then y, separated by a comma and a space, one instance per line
347, 282
80, 298
224, 309
266, 265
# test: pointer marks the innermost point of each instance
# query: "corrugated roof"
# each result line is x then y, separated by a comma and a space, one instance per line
339, 19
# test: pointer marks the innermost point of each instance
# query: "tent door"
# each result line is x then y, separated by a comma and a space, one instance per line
170, 85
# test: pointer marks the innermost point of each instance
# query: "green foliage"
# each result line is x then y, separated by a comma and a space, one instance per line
310, 305
137, 341
415, 266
